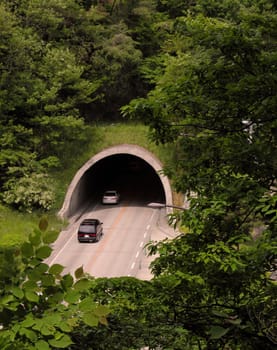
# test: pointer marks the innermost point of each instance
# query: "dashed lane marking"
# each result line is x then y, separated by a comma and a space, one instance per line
107, 238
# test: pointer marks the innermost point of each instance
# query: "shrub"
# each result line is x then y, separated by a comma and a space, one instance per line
33, 191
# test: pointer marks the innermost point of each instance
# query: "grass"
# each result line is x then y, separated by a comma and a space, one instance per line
15, 226
119, 133
104, 136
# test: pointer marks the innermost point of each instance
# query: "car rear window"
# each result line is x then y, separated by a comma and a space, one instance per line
87, 229
110, 193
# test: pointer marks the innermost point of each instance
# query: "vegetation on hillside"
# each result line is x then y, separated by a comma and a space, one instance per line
216, 100
202, 75
64, 66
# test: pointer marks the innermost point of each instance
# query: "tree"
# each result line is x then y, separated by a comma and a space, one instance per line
127, 326
64, 63
40, 307
42, 89
215, 101
213, 97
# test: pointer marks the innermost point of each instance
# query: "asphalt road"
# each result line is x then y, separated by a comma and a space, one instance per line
120, 252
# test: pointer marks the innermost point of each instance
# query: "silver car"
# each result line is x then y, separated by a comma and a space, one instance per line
111, 197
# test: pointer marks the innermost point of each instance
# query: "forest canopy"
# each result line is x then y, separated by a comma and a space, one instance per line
64, 65
202, 75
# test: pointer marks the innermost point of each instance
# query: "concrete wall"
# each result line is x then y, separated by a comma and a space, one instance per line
86, 182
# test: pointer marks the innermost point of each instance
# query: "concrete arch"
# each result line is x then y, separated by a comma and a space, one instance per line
86, 183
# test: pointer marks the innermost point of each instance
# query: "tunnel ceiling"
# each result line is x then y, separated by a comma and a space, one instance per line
130, 169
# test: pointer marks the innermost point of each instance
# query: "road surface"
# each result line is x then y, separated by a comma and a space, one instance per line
120, 251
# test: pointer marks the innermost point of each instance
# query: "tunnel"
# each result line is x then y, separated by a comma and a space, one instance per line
130, 169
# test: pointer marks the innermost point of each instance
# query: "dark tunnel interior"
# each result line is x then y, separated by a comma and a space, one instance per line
136, 180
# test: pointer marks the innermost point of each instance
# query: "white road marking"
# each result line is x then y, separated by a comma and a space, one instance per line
144, 236
75, 226
63, 248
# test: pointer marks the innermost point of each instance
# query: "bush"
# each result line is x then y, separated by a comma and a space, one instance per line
29, 192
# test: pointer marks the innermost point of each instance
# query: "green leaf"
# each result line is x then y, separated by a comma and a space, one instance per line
43, 224
47, 329
43, 252
35, 239
53, 319
42, 267
31, 285
79, 272
83, 284
55, 298
73, 322
38, 325
42, 345
90, 319
28, 322
235, 322
67, 281
101, 311
6, 299
220, 314
61, 343
34, 275
217, 332
31, 296
65, 327
28, 334
56, 269
72, 296
27, 250
48, 280
16, 291
34, 261
103, 321
14, 330
50, 237
87, 304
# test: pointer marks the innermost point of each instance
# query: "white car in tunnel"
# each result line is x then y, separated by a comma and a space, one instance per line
111, 197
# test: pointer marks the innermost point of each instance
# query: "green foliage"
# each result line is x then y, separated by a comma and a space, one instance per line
16, 226
210, 65
41, 91
217, 289
29, 192
213, 99
61, 61
39, 306
126, 326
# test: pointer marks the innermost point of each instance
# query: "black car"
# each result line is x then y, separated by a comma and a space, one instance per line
90, 230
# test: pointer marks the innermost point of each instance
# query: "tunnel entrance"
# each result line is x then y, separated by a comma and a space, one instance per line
129, 169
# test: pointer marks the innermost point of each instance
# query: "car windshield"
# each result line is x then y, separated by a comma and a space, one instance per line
87, 229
